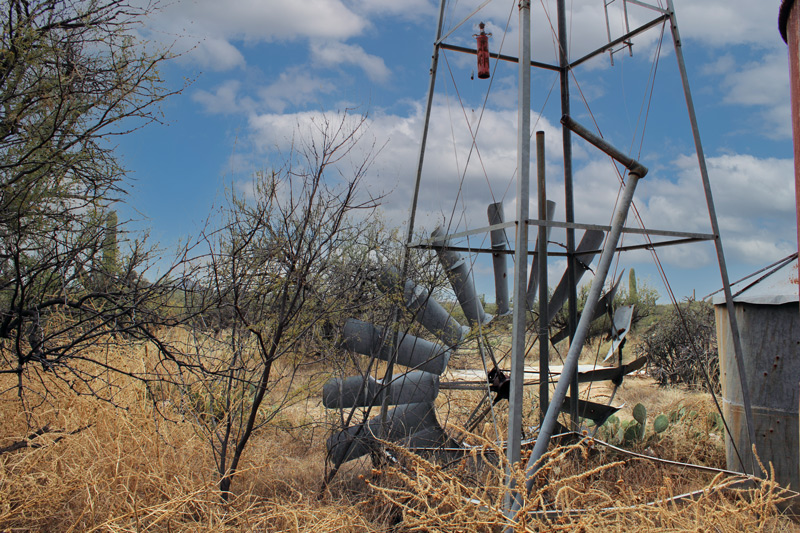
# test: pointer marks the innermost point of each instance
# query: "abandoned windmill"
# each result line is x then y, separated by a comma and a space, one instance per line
400, 406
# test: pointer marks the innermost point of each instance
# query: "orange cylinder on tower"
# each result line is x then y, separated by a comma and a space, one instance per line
483, 53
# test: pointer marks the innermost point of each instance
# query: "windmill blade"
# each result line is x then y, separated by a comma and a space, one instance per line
499, 259
426, 310
533, 279
603, 307
587, 249
413, 387
413, 352
432, 437
622, 324
402, 422
460, 276
613, 374
596, 412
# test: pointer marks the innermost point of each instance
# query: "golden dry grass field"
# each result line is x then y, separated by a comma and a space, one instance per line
97, 467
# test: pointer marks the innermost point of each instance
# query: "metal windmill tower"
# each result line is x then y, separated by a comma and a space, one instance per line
412, 420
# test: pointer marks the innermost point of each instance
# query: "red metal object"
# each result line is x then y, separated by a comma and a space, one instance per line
483, 53
789, 25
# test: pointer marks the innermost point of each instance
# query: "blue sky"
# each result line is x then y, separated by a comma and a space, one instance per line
261, 70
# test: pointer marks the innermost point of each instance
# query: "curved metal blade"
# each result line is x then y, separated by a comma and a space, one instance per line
613, 374
460, 275
413, 387
622, 325
499, 260
426, 310
603, 307
413, 352
402, 422
587, 249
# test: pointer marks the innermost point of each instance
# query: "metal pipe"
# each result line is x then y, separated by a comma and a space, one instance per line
495, 55
630, 163
712, 214
415, 197
569, 201
423, 243
541, 256
571, 362
499, 263
521, 242
533, 279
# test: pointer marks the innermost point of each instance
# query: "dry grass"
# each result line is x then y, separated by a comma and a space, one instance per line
125, 469
105, 468
583, 489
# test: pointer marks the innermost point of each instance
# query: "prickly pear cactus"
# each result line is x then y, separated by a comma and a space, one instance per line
661, 423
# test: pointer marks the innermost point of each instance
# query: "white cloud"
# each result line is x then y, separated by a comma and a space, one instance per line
754, 200
489, 176
270, 20
764, 84
215, 54
729, 22
332, 54
224, 99
208, 29
297, 87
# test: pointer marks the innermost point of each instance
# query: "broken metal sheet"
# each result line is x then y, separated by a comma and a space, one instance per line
603, 307
622, 324
613, 374
596, 412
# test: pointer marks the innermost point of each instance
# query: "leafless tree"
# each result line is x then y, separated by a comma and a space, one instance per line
72, 76
289, 264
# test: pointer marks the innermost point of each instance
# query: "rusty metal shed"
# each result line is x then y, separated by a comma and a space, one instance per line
766, 306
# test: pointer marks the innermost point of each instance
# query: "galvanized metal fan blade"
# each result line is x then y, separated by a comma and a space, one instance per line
460, 276
603, 307
432, 437
597, 412
402, 422
413, 352
587, 249
622, 324
413, 387
533, 279
426, 310
613, 374
499, 258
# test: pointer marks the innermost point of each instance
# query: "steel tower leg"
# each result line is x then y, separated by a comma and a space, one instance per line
712, 214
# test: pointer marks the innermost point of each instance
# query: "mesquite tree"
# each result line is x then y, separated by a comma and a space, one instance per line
72, 76
284, 270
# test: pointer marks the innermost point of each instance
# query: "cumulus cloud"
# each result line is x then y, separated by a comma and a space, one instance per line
296, 86
754, 200
224, 99
209, 31
333, 53
727, 22
763, 84
216, 54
